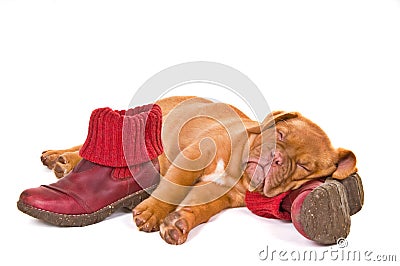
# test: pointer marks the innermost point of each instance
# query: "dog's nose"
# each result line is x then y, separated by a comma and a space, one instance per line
278, 160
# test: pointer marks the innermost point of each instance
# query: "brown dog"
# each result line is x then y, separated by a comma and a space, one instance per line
214, 154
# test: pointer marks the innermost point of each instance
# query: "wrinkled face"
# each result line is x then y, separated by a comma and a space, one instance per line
303, 152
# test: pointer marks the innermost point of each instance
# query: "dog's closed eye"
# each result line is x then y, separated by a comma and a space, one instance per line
303, 166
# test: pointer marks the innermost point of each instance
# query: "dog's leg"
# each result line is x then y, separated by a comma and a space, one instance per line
177, 225
172, 189
61, 161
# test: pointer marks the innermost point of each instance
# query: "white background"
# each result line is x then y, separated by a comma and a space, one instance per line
337, 62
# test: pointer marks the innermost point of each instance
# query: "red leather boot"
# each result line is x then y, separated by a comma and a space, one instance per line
119, 169
320, 209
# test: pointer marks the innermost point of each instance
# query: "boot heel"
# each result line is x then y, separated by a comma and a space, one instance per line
355, 192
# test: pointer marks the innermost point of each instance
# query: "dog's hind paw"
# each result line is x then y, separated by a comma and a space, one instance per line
61, 161
65, 163
50, 157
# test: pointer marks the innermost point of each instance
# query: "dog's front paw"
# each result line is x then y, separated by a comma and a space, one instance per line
65, 163
175, 228
149, 214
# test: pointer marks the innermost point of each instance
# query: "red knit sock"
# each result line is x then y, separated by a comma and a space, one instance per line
280, 206
267, 207
123, 139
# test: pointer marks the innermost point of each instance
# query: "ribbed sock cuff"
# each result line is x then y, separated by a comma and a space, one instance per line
267, 207
123, 138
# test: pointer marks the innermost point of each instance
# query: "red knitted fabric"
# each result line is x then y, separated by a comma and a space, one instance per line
280, 206
123, 138
267, 207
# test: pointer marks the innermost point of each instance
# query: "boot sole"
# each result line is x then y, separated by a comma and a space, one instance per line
79, 220
325, 213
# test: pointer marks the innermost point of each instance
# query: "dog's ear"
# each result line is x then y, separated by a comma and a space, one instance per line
271, 120
277, 116
252, 126
346, 164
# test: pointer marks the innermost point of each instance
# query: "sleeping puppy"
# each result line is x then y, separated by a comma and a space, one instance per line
213, 154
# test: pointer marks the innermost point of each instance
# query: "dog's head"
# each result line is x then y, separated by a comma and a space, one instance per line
302, 152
